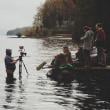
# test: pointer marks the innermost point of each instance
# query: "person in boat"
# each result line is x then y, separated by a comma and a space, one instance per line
59, 60
100, 40
87, 44
10, 65
67, 54
63, 59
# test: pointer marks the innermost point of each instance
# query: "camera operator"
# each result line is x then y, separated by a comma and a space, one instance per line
10, 65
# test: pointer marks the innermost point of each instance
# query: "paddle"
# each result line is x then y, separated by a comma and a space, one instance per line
41, 65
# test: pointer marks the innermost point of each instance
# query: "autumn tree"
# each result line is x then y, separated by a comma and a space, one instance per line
82, 12
56, 11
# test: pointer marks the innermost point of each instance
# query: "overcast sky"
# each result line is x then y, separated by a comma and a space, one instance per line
17, 13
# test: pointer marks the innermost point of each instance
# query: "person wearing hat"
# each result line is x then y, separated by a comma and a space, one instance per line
87, 44
10, 65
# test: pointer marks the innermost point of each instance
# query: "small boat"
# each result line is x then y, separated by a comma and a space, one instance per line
60, 75
69, 75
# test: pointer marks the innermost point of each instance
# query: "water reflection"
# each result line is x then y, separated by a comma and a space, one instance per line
56, 43
22, 96
10, 92
14, 96
66, 93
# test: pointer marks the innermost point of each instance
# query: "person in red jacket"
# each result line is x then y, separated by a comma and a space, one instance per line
100, 44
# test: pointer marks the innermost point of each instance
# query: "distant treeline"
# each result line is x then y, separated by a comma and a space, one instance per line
24, 31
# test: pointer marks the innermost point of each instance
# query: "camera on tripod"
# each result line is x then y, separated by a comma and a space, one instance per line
21, 62
22, 51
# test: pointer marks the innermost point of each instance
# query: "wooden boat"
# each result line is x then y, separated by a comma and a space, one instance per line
80, 73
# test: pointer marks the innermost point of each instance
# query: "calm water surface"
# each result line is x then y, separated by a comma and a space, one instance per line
37, 92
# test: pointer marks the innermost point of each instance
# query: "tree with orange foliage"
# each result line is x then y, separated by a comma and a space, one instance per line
54, 11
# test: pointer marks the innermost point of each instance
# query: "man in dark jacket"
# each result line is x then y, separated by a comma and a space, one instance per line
100, 44
10, 65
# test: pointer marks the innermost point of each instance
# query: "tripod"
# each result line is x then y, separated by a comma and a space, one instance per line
20, 66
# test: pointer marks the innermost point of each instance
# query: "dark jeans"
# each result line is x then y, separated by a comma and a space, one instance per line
87, 57
10, 73
101, 56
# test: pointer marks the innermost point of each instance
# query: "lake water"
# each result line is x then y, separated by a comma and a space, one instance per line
37, 92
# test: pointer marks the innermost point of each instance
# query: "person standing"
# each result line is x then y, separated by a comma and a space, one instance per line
100, 40
10, 65
87, 44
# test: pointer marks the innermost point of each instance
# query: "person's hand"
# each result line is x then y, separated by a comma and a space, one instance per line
81, 38
17, 59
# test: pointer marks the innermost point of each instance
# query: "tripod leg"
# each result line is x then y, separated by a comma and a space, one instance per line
20, 69
25, 68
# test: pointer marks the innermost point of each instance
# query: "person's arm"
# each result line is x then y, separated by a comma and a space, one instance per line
9, 61
14, 61
85, 36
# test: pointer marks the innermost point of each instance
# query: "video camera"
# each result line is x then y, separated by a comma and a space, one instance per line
22, 51
21, 62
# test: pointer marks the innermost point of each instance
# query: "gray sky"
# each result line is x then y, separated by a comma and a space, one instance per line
17, 13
